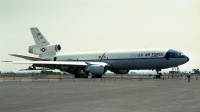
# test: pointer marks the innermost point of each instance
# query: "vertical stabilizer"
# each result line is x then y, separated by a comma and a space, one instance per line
38, 37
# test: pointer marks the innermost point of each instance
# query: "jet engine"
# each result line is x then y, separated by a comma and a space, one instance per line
121, 71
44, 49
96, 69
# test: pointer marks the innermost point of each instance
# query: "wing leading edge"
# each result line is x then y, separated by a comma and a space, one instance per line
72, 63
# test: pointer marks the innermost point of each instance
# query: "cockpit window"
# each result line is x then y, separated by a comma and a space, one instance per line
179, 54
182, 53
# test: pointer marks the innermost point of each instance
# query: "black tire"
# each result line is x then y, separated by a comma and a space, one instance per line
98, 76
77, 76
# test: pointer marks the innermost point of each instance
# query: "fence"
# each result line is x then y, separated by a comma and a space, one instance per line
11, 78
66, 78
88, 78
85, 78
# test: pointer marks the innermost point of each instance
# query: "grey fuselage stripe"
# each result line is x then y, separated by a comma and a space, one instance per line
123, 59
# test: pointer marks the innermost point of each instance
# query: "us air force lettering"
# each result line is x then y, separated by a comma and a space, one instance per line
97, 63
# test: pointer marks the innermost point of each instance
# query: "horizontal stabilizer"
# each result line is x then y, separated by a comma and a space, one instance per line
29, 57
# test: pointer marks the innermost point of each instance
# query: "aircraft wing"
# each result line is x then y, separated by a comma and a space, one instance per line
72, 63
29, 57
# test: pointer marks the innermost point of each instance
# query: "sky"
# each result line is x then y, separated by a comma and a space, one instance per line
96, 25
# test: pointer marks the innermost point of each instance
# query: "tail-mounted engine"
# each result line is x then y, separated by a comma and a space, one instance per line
38, 49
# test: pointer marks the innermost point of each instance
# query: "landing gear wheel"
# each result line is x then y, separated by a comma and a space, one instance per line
158, 74
77, 76
98, 76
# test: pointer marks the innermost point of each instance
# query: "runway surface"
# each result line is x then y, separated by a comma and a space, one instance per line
109, 96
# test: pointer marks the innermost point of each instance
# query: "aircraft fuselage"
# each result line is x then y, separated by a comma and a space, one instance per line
139, 59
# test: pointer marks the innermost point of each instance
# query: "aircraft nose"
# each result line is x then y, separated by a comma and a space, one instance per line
188, 59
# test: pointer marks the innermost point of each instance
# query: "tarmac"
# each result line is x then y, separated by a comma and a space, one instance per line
91, 95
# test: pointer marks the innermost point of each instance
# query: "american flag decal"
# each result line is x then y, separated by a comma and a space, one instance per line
38, 34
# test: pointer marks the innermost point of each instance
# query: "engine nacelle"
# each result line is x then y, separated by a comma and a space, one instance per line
64, 68
96, 69
121, 71
44, 49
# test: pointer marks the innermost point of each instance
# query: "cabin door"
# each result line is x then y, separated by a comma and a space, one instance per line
134, 61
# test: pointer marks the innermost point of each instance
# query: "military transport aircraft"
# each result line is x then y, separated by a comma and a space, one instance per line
98, 62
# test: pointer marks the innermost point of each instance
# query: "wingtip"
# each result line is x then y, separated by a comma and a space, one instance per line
11, 54
6, 61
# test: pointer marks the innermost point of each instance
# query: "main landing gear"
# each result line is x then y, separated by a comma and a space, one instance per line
158, 75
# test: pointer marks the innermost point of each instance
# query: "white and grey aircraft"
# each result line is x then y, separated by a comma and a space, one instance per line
98, 62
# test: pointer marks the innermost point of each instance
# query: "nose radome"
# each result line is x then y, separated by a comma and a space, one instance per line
188, 59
